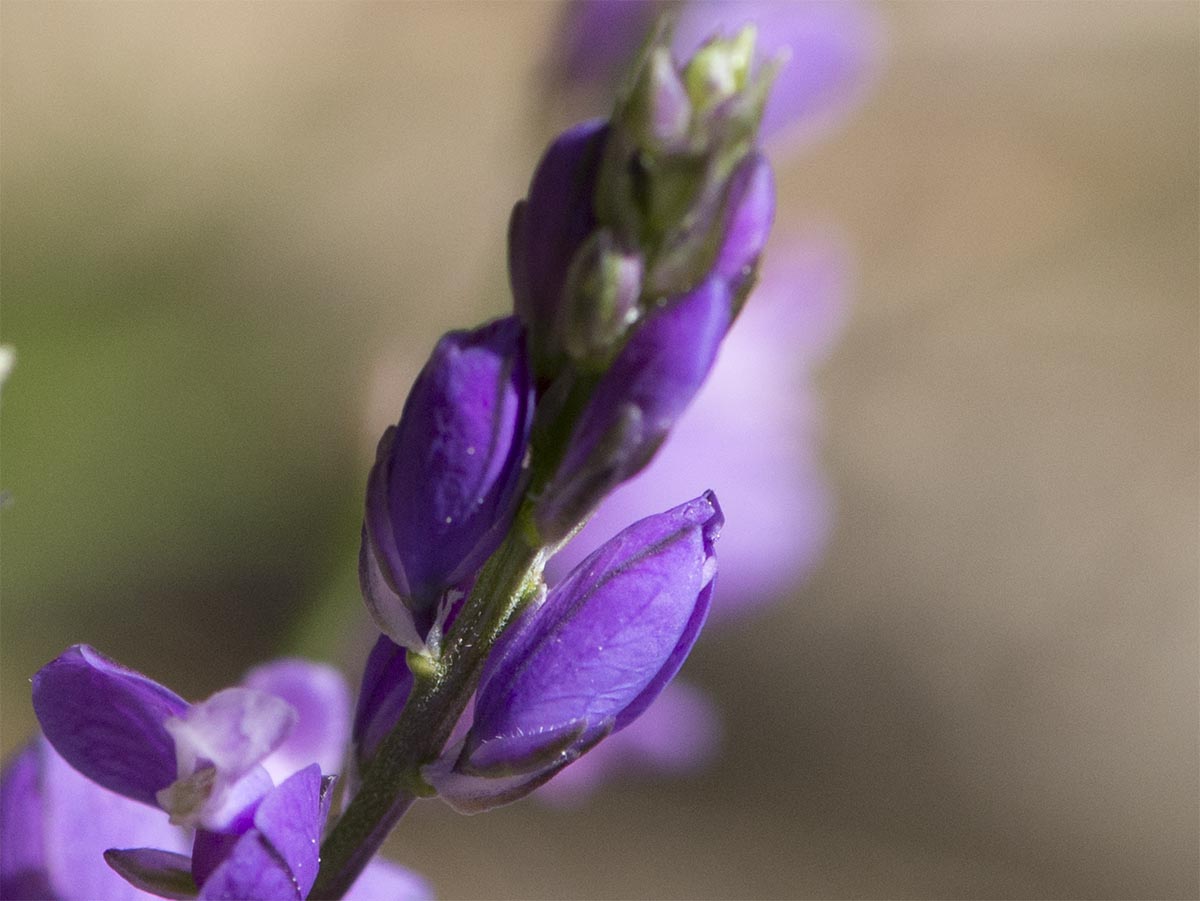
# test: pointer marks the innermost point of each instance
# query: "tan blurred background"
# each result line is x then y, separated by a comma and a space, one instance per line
231, 232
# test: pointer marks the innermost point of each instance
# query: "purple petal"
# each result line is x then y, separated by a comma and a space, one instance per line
678, 734
108, 722
252, 872
757, 449
751, 212
385, 686
637, 402
601, 36
164, 874
386, 605
22, 851
384, 879
80, 821
558, 215
319, 695
452, 470
278, 858
290, 820
602, 647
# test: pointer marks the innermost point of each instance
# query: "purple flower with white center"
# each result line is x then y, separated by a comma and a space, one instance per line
444, 487
205, 765
589, 660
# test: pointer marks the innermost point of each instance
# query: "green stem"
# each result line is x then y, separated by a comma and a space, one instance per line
393, 781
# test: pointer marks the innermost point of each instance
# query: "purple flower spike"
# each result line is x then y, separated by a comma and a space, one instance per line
108, 722
444, 487
550, 225
636, 403
590, 660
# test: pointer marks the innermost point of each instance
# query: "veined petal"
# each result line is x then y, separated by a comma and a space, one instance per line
592, 658
290, 820
108, 722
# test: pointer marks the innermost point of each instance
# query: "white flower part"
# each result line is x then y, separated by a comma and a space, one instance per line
217, 743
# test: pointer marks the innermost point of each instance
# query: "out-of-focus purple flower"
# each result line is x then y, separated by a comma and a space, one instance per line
205, 764
445, 483
834, 45
589, 660
56, 824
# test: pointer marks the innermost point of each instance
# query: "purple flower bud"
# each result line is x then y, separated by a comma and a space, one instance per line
550, 225
445, 483
590, 659
750, 211
636, 403
386, 684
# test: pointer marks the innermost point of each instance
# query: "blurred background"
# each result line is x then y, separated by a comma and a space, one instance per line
232, 232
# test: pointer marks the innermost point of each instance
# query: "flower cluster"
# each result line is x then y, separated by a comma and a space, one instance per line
630, 258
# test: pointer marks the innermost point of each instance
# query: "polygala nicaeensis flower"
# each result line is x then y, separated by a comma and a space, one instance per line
446, 479
208, 765
587, 661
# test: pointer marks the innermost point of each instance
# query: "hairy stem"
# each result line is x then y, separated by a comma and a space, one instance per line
393, 781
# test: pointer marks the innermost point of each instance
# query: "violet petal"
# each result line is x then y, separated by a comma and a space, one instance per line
290, 820
22, 852
636, 403
604, 644
251, 872
558, 215
81, 820
108, 721
453, 467
386, 684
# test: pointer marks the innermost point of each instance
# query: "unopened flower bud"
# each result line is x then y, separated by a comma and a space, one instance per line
600, 304
635, 404
663, 114
589, 660
719, 69
445, 483
547, 229
667, 189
